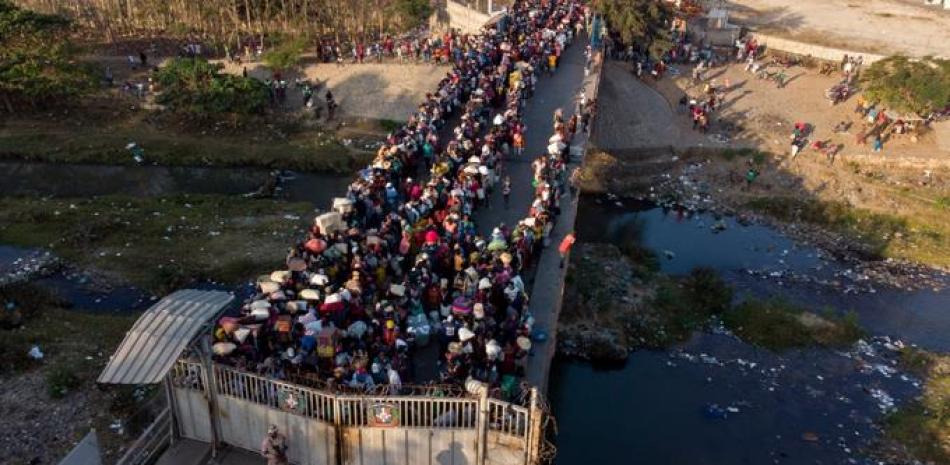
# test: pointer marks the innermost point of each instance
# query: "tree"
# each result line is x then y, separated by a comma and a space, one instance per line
910, 85
634, 20
285, 56
37, 62
412, 13
193, 85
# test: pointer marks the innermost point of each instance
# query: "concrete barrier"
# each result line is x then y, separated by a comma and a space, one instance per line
454, 15
817, 51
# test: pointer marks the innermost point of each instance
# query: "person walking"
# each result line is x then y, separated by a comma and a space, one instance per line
506, 191
565, 248
274, 447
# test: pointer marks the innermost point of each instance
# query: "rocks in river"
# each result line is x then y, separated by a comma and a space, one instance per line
34, 265
587, 342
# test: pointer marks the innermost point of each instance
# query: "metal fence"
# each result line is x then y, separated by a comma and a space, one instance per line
353, 410
151, 443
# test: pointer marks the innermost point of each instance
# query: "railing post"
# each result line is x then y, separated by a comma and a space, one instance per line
482, 427
535, 435
211, 390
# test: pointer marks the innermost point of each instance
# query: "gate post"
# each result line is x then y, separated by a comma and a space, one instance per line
211, 390
535, 435
481, 446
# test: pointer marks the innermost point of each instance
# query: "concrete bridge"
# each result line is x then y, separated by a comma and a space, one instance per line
208, 401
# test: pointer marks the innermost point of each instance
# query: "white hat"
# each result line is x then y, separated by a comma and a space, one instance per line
465, 334
280, 276
309, 294
319, 280
524, 343
484, 283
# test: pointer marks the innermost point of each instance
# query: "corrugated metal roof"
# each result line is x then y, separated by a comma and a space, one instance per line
159, 336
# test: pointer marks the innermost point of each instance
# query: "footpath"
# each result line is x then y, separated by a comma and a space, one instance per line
560, 91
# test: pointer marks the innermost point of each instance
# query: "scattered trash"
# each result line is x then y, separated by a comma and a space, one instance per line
35, 353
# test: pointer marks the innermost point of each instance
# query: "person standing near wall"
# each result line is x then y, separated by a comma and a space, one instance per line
274, 447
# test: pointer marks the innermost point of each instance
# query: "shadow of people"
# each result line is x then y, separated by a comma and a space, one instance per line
454, 455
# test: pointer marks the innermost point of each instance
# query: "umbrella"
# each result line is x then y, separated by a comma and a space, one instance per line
315, 245
296, 264
224, 348
461, 305
357, 329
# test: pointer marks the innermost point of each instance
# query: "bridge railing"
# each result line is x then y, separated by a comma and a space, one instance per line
353, 410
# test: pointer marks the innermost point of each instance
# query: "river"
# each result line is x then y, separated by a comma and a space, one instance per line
704, 402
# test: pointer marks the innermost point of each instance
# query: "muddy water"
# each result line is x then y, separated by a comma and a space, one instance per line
66, 180
704, 402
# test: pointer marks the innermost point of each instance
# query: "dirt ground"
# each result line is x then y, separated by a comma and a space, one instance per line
652, 139
876, 26
369, 90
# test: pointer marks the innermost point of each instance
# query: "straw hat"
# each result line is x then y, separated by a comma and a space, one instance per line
268, 287
223, 348
309, 294
523, 343
280, 276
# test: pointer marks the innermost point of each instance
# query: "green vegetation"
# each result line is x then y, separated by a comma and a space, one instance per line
286, 56
757, 157
193, 85
922, 427
685, 305
911, 85
637, 21
881, 234
61, 379
412, 13
943, 203
159, 243
37, 60
779, 325
105, 142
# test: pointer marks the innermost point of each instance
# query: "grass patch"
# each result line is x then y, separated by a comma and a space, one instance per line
105, 142
779, 325
159, 243
922, 427
943, 203
732, 154
882, 235
66, 337
389, 125
685, 305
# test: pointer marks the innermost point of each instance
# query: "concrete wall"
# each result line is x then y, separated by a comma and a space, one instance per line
458, 16
409, 446
817, 51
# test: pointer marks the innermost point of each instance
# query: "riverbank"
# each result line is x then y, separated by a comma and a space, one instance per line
101, 130
158, 243
50, 398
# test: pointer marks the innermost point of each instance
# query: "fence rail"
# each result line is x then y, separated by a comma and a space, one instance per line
152, 442
353, 410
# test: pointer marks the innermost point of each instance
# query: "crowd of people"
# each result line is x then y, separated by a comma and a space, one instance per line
399, 263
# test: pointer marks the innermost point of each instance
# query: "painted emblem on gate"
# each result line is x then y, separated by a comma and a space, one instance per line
383, 415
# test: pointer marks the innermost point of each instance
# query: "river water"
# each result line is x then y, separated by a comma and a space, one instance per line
704, 402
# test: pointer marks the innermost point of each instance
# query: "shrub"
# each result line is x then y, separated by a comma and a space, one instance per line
918, 86
779, 325
193, 85
60, 380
